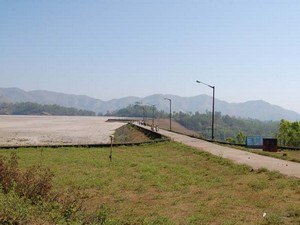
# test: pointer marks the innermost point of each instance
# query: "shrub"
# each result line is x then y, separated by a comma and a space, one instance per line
70, 203
8, 172
34, 183
13, 209
25, 193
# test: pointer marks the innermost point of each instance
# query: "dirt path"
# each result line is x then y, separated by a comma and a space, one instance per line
239, 156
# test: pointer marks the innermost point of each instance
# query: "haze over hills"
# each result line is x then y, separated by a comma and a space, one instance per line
251, 109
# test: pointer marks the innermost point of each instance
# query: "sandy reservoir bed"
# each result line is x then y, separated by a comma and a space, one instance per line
55, 130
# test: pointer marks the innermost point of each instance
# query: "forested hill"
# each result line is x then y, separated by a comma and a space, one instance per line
225, 126
29, 108
251, 109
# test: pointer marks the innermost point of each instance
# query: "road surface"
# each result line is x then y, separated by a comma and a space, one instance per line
238, 156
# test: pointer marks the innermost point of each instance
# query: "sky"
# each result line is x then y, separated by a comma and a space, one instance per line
249, 50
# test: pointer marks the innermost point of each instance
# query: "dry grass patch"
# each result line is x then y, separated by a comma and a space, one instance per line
169, 183
289, 155
129, 134
177, 127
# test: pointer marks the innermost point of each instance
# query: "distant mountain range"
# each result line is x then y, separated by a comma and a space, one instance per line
251, 109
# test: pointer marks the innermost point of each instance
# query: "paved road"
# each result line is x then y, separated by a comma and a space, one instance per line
241, 157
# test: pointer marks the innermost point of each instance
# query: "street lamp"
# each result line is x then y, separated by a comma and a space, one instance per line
213, 108
153, 106
170, 100
144, 113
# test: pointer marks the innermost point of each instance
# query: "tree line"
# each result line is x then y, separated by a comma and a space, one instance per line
29, 108
227, 128
141, 111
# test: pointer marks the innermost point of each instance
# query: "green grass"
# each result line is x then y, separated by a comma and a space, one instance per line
289, 155
169, 183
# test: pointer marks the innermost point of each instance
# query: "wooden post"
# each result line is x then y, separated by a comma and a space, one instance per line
111, 147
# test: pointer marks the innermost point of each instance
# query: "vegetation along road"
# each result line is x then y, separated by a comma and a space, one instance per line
239, 156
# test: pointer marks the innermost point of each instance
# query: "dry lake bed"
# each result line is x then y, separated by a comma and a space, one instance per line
55, 130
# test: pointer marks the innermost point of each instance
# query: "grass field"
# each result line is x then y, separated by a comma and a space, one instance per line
290, 155
167, 183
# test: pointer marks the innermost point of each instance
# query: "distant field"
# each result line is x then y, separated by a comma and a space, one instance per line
55, 130
167, 183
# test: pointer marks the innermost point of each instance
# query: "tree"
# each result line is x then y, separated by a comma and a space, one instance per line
289, 133
225, 126
241, 138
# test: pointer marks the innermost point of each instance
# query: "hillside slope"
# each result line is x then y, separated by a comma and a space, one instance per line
252, 109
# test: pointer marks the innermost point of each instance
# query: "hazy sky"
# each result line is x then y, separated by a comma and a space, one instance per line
109, 49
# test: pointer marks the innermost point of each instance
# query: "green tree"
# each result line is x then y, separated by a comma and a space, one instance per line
241, 138
289, 133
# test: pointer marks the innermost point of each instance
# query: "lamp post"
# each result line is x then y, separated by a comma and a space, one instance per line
170, 100
144, 113
153, 106
213, 108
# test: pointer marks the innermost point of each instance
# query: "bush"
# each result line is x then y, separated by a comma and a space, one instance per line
13, 209
23, 194
34, 183
70, 204
8, 172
